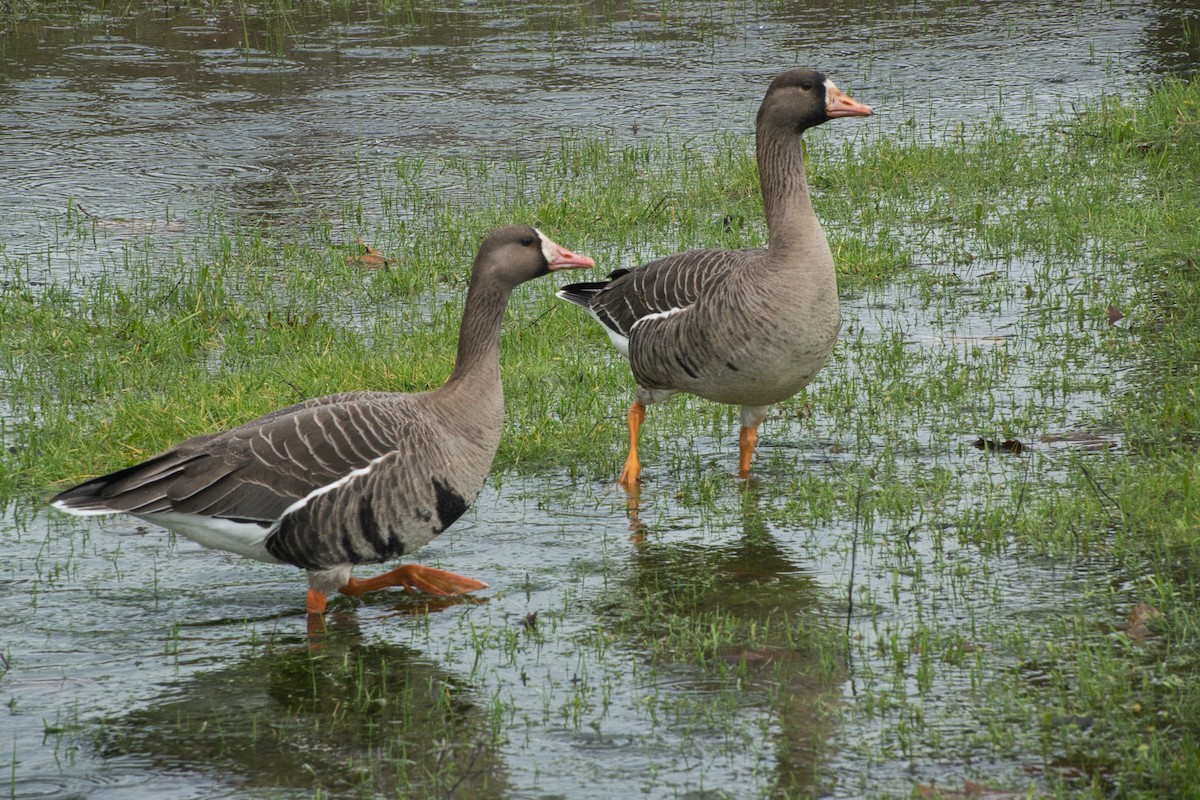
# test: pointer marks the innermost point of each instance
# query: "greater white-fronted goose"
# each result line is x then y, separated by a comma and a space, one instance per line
742, 327
353, 478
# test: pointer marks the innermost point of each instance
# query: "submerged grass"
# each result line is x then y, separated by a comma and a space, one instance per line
1148, 499
1042, 235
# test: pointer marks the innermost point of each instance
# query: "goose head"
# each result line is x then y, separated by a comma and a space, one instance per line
518, 253
803, 98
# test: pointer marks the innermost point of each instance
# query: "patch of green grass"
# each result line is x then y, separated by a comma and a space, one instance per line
1148, 499
1106, 686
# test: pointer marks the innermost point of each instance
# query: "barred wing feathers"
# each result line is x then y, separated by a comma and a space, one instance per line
646, 311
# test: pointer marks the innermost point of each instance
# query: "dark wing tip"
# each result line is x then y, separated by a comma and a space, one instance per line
581, 293
84, 497
141, 487
93, 495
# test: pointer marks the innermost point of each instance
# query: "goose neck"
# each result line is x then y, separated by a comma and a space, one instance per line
477, 364
786, 203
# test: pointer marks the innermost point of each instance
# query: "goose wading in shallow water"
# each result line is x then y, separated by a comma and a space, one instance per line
743, 327
353, 478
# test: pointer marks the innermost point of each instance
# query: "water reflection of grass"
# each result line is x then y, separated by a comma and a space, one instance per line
979, 273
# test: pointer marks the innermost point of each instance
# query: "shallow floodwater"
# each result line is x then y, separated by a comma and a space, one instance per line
144, 668
139, 666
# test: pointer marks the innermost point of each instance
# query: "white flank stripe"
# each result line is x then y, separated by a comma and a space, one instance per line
329, 487
658, 315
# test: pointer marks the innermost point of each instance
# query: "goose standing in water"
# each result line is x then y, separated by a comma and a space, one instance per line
353, 478
742, 327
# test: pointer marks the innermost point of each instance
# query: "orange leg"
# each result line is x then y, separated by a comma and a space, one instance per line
316, 612
746, 442
315, 602
633, 470
414, 577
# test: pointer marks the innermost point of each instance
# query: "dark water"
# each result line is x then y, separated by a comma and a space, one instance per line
136, 667
149, 115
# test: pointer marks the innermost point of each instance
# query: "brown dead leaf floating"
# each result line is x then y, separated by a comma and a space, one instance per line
370, 258
1139, 621
1007, 446
1114, 314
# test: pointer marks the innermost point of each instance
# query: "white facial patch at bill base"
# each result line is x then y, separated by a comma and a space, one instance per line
548, 246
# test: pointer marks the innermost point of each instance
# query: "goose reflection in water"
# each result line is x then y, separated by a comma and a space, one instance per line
756, 616
345, 717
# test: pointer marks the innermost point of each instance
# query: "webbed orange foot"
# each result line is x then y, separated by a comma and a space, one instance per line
414, 577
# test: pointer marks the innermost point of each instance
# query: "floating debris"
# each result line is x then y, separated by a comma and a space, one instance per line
1007, 446
370, 258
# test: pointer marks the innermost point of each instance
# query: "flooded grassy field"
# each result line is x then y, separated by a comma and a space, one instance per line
911, 592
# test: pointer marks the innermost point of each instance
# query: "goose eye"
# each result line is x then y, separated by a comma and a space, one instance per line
806, 85
527, 240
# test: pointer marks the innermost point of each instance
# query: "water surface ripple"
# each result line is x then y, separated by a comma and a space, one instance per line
98, 112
